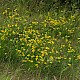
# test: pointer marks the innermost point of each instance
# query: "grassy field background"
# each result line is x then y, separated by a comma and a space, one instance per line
39, 44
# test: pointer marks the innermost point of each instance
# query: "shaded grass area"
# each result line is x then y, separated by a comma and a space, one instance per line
10, 72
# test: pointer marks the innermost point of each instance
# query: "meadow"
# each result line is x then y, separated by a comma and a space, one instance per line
39, 46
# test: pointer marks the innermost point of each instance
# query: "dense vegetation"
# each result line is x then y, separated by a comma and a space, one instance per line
39, 39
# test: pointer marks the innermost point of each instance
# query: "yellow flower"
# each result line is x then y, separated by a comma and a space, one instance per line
42, 59
11, 17
69, 64
5, 11
78, 38
36, 58
33, 50
35, 23
13, 32
62, 46
33, 47
50, 62
51, 57
65, 58
69, 58
51, 42
72, 17
16, 25
32, 56
57, 51
19, 51
47, 48
70, 50
44, 24
47, 36
9, 25
38, 61
42, 54
27, 59
66, 40
59, 61
3, 37
36, 65
8, 8
23, 54
24, 60
28, 55
45, 63
21, 39
15, 10
0, 46
58, 57
31, 61
78, 57
2, 30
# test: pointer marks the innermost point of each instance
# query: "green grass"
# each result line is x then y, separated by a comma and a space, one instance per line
39, 46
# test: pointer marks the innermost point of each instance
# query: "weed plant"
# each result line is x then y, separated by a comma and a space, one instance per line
46, 44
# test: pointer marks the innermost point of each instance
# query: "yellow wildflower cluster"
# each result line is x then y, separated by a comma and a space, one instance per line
39, 42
